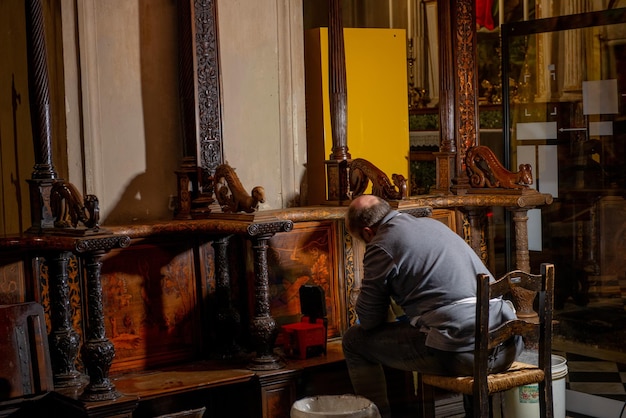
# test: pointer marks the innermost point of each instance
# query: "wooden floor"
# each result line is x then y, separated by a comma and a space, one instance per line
218, 387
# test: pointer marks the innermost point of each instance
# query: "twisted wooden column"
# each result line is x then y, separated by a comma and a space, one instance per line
38, 81
41, 120
337, 165
337, 81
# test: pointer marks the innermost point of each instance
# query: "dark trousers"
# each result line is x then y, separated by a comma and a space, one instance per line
401, 346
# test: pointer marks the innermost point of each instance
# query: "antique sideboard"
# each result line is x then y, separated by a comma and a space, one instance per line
141, 315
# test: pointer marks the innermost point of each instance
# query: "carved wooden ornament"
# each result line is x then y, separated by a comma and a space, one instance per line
486, 171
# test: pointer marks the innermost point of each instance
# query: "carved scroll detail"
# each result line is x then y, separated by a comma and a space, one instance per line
363, 171
69, 208
485, 170
231, 195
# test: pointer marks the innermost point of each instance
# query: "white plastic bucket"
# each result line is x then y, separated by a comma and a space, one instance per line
334, 406
523, 401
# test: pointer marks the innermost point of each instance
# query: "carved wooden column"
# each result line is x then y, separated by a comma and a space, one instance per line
44, 173
522, 298
64, 340
228, 321
337, 165
98, 351
264, 330
458, 104
467, 87
199, 90
445, 158
208, 102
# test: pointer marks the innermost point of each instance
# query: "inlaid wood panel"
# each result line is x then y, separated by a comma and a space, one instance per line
151, 305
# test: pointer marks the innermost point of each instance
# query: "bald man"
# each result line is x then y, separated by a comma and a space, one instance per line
430, 272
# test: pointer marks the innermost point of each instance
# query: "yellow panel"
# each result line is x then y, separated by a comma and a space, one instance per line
378, 128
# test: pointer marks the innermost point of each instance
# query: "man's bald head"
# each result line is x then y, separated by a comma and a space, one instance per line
365, 213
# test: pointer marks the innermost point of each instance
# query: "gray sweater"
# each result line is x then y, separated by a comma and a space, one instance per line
431, 273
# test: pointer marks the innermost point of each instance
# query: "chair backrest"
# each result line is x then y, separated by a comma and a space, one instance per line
537, 332
26, 369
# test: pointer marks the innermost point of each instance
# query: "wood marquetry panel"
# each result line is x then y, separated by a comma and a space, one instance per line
150, 305
12, 282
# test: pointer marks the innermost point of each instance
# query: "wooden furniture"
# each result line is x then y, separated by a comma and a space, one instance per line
157, 300
483, 384
26, 371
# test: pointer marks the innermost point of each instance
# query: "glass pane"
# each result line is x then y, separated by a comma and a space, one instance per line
564, 108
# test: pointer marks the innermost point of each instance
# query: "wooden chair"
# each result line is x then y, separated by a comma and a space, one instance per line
482, 384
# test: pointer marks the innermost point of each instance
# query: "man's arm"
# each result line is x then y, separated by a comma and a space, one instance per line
372, 305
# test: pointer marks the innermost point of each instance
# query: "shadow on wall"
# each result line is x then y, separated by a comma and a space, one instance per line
146, 197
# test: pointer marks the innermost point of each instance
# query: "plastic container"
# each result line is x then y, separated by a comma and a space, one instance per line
523, 401
334, 406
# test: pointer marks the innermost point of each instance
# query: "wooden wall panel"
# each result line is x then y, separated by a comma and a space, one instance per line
12, 282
